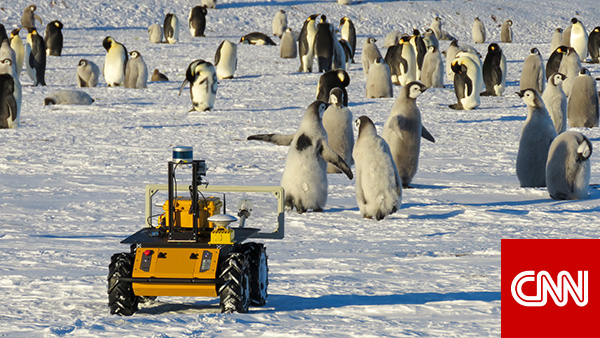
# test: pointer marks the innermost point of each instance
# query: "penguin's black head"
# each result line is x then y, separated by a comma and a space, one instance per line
416, 32
107, 42
32, 7
7, 62
343, 20
404, 39
574, 21
597, 29
49, 101
343, 77
454, 43
415, 88
531, 97
57, 24
82, 63
456, 67
494, 48
134, 54
336, 97
534, 51
15, 32
584, 71
362, 123
313, 17
323, 18
562, 49
379, 60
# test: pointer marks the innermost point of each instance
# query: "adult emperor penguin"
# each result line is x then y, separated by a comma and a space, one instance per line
378, 185
337, 121
555, 101
324, 40
209, 3
287, 46
369, 54
9, 114
280, 23
420, 49
570, 65
171, 28
334, 78
29, 17
379, 81
432, 74
226, 60
304, 177
536, 136
494, 71
136, 72
202, 77
533, 74
7, 67
555, 59
115, 62
403, 131
478, 31
593, 45
568, 168
556, 39
36, 62
155, 33
88, 73
197, 20
16, 43
68, 97
54, 38
348, 33
257, 38
579, 39
402, 61
506, 33
306, 42
582, 105
468, 83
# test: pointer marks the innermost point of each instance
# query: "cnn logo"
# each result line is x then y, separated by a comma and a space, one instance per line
558, 290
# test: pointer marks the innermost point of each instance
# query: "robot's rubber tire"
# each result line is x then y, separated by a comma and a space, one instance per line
121, 299
259, 272
235, 291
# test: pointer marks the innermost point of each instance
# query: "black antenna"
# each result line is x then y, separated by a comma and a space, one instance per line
224, 204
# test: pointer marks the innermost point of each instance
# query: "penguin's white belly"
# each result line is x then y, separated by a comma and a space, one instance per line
114, 67
305, 177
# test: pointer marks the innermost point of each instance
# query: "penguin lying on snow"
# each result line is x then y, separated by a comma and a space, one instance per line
568, 167
68, 97
305, 174
257, 38
158, 76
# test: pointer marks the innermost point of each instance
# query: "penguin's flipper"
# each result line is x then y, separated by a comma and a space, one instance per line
38, 18
426, 135
404, 64
183, 85
218, 53
278, 139
584, 151
400, 124
333, 158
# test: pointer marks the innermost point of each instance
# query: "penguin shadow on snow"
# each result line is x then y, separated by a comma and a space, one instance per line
155, 307
501, 118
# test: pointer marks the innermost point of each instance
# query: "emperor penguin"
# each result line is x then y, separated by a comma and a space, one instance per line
403, 130
593, 45
566, 36
136, 72
436, 27
29, 17
430, 39
88, 73
416, 41
10, 95
391, 39
36, 62
202, 77
432, 74
450, 54
402, 61
54, 38
209, 3
334, 78
337, 121
115, 62
257, 38
556, 39
579, 39
280, 23
287, 46
582, 105
536, 136
468, 83
478, 31
7, 67
16, 43
344, 2
157, 76
506, 33
494, 71
324, 40
555, 101
155, 33
348, 33
533, 74
304, 176
555, 59
369, 54
306, 42
197, 20
378, 185
171, 28
570, 65
568, 169
68, 97
226, 60
379, 81
341, 55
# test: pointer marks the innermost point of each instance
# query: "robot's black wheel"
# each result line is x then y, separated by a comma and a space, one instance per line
235, 291
121, 299
259, 272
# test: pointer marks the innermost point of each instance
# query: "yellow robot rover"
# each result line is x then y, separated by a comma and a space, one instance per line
194, 250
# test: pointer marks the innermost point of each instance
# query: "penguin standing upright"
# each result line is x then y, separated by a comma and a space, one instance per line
432, 74
348, 33
29, 17
16, 43
436, 27
379, 81
555, 101
416, 41
54, 38
287, 46
304, 176
306, 44
197, 20
506, 33
391, 39
582, 105
556, 39
570, 65
533, 74
536, 136
568, 168
402, 61
209, 3
494, 71
566, 36
478, 31
378, 185
226, 60
10, 95
88, 73
334, 78
171, 28
155, 33
136, 72
280, 23
594, 45
324, 39
579, 39
202, 77
450, 53
555, 59
36, 62
369, 54
468, 81
115, 62
337, 121
403, 130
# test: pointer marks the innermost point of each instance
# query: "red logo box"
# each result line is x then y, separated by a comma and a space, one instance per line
550, 288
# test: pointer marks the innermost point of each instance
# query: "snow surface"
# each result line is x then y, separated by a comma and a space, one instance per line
72, 179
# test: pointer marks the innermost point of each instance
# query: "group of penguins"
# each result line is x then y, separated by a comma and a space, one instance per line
324, 142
